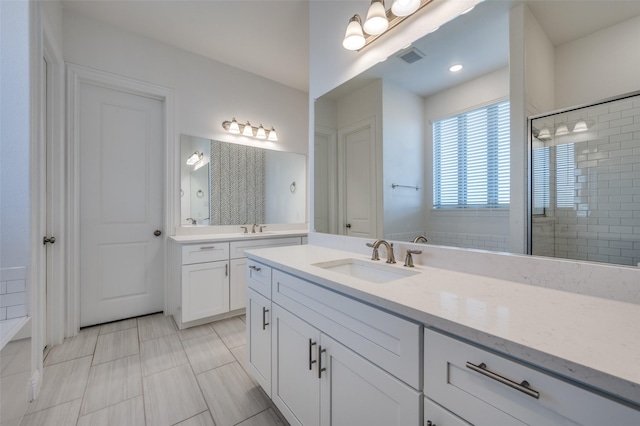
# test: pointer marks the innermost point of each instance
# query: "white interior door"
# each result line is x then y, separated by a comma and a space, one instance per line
358, 180
121, 205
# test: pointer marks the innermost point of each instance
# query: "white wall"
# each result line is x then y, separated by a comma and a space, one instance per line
540, 67
403, 162
285, 203
14, 134
599, 65
488, 89
207, 92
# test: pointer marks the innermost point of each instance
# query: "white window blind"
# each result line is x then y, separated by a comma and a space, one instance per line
471, 159
565, 175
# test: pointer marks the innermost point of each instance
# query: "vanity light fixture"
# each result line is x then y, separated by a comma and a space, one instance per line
562, 130
455, 68
194, 158
544, 134
580, 126
250, 131
404, 7
378, 21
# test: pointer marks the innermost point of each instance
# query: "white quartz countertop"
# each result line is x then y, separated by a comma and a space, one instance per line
587, 339
237, 236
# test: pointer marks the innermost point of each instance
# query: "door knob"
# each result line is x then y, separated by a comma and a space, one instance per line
49, 240
157, 232
348, 225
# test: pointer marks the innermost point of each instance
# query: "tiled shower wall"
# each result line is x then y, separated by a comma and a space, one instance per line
13, 293
604, 223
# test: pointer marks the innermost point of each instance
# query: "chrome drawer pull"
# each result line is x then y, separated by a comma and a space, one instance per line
207, 248
320, 367
255, 268
264, 318
522, 387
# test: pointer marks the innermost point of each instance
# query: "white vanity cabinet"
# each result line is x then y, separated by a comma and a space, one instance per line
333, 359
488, 389
205, 280
209, 279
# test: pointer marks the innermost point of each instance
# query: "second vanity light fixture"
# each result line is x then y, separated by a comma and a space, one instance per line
378, 21
248, 130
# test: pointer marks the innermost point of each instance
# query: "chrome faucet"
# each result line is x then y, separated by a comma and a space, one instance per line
420, 239
193, 221
376, 244
253, 228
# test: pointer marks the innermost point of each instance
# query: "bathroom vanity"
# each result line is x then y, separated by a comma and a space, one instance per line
335, 338
207, 276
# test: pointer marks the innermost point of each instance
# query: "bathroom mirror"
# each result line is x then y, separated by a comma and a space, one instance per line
232, 184
393, 105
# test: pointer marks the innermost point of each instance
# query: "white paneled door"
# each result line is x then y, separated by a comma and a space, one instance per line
121, 204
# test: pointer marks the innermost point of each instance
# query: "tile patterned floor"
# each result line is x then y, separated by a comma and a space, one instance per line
145, 372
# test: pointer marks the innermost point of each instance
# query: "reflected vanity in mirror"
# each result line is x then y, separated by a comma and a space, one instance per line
379, 129
231, 184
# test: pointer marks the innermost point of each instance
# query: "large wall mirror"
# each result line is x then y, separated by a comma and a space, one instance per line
232, 184
380, 136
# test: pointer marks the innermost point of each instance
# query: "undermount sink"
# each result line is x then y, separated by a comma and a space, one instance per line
367, 271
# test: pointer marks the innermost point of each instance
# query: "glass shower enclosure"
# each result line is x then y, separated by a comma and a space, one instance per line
585, 182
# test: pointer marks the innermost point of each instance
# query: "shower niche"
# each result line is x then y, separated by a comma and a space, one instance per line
585, 182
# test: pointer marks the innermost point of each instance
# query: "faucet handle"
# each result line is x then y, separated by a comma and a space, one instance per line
408, 260
374, 255
262, 227
245, 229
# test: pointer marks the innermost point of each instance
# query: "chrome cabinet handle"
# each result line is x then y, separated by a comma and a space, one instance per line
522, 386
207, 248
311, 361
255, 268
320, 367
264, 318
226, 270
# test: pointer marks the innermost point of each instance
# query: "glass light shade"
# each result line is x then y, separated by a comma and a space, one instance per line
404, 7
234, 128
248, 130
194, 158
376, 22
580, 126
562, 130
261, 134
544, 134
354, 38
273, 136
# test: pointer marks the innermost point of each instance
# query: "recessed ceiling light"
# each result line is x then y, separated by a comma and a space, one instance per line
455, 68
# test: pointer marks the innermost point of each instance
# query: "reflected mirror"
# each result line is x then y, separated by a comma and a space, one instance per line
380, 136
231, 184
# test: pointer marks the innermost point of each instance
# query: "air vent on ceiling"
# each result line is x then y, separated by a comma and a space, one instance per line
411, 55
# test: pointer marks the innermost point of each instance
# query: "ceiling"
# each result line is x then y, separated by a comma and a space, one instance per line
270, 38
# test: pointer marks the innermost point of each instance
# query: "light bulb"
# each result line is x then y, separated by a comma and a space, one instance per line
273, 136
404, 7
376, 22
233, 127
248, 130
544, 134
261, 134
455, 68
354, 38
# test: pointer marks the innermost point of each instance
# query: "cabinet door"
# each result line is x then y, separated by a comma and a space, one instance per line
295, 388
435, 415
238, 285
205, 290
259, 338
356, 392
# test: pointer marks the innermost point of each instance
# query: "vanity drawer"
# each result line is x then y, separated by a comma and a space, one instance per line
392, 343
259, 278
486, 389
238, 247
439, 416
207, 252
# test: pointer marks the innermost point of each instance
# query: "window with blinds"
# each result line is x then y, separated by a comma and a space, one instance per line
471, 159
540, 180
